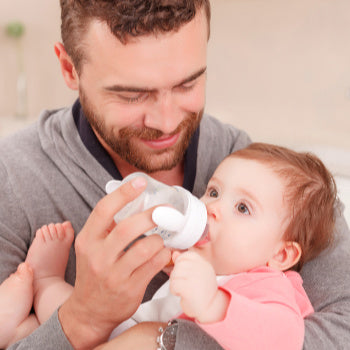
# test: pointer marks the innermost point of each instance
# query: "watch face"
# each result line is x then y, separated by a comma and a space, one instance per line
169, 337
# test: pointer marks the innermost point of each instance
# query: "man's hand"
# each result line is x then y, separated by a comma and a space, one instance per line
110, 283
194, 280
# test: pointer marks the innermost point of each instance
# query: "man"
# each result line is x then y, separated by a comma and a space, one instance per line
140, 69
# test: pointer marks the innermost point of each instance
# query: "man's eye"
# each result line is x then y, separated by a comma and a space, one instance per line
187, 86
242, 208
213, 193
130, 99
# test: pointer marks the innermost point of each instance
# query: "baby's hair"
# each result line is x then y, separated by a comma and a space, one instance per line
311, 194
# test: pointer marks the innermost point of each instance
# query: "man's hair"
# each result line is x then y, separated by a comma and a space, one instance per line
125, 18
311, 195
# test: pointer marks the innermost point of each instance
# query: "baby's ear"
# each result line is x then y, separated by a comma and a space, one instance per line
287, 256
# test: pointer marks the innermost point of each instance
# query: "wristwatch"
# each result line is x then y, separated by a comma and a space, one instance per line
167, 338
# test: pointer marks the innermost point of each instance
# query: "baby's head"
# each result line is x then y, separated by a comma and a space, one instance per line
268, 205
310, 194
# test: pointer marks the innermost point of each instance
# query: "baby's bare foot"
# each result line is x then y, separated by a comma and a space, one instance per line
48, 257
48, 254
16, 299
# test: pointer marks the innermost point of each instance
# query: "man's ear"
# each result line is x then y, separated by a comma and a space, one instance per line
287, 256
69, 73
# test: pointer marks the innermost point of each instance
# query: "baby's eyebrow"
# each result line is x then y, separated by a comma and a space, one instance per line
214, 180
251, 196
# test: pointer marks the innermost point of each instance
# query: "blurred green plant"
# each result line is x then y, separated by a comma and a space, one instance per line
15, 29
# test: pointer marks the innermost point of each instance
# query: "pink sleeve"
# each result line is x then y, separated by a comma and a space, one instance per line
255, 321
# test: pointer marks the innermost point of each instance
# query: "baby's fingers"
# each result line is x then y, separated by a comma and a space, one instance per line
175, 255
177, 286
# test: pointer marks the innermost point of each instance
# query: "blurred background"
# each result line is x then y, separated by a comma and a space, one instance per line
278, 69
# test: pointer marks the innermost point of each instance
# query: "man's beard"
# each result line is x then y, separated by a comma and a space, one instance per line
135, 153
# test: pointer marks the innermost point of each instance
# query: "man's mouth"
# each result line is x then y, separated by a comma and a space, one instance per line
162, 142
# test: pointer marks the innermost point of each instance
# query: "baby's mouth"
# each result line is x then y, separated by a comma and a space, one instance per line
205, 237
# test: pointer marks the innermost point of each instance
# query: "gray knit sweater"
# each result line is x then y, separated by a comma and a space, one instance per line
47, 175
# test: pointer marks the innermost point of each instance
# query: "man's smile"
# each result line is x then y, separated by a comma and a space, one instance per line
165, 141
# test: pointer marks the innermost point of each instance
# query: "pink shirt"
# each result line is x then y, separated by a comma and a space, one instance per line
266, 311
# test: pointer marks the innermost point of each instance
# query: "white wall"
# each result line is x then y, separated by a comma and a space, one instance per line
281, 69
46, 88
278, 69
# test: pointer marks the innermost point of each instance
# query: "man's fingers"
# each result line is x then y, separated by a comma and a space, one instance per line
129, 229
137, 266
148, 270
140, 253
101, 217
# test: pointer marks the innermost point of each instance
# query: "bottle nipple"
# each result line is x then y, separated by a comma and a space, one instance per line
204, 238
169, 218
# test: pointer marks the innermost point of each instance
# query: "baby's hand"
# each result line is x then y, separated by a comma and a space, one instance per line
194, 280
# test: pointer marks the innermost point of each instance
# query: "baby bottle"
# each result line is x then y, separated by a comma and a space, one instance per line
181, 223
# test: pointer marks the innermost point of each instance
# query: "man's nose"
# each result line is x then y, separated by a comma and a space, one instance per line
163, 113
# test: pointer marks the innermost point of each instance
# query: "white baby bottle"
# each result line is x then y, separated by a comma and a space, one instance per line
181, 224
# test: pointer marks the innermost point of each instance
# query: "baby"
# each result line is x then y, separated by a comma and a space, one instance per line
270, 210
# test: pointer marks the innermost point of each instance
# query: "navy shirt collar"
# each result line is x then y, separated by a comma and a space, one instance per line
91, 142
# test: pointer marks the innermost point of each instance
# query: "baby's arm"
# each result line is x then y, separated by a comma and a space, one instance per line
194, 280
262, 315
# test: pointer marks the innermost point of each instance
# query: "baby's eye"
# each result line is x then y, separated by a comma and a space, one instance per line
213, 193
242, 208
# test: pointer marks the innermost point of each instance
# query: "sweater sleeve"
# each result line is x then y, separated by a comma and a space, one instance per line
14, 241
327, 283
48, 336
191, 336
14, 228
261, 316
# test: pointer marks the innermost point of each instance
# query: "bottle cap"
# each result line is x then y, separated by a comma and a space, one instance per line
112, 185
